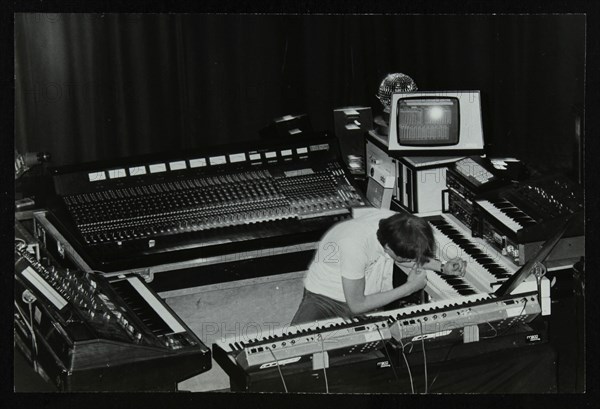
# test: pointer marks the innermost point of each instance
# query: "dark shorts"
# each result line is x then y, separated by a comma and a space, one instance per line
315, 307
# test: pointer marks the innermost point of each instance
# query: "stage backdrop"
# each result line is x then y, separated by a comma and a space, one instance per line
97, 86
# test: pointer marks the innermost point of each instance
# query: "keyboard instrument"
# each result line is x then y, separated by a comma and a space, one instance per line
89, 333
159, 209
487, 269
358, 335
516, 219
442, 318
466, 180
343, 335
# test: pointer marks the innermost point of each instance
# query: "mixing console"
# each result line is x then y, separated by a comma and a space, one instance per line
148, 206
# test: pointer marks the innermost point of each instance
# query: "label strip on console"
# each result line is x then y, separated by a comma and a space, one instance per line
46, 289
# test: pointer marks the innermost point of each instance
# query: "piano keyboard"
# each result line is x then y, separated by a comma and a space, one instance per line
305, 339
441, 318
484, 268
508, 214
146, 307
359, 334
442, 287
487, 269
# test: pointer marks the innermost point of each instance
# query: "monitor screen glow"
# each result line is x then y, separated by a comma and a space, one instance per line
436, 122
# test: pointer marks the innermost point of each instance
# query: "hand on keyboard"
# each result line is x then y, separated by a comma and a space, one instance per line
455, 267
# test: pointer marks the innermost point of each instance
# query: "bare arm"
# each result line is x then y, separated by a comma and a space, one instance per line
359, 303
455, 266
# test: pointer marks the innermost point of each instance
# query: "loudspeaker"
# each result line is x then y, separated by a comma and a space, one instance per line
351, 125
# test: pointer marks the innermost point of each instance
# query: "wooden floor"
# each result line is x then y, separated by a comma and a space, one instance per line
239, 308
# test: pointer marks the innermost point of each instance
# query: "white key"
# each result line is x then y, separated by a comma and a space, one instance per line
498, 214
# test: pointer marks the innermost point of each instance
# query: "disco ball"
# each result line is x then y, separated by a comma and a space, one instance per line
396, 82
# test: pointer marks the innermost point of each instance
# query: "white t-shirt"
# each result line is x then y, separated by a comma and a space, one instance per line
350, 249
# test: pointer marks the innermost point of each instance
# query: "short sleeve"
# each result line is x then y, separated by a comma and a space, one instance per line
352, 259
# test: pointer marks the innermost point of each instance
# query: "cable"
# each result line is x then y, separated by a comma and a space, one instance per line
514, 319
324, 371
29, 299
279, 369
29, 326
444, 360
388, 354
458, 343
412, 386
33, 340
424, 355
495, 331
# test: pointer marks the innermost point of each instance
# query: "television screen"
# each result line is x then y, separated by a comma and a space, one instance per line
436, 123
427, 121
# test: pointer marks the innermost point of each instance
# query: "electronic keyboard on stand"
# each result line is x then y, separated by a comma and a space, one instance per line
517, 219
291, 344
87, 333
322, 341
159, 210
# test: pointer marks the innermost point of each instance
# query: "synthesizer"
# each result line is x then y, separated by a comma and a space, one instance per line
487, 269
436, 320
154, 210
516, 219
358, 335
466, 180
88, 333
282, 346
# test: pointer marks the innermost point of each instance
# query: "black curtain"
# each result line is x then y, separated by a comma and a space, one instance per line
97, 86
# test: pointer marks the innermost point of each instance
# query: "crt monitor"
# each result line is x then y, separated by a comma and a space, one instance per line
436, 122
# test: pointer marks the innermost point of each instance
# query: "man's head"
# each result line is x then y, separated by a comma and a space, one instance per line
407, 237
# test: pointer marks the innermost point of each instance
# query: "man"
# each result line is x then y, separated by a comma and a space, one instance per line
351, 273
